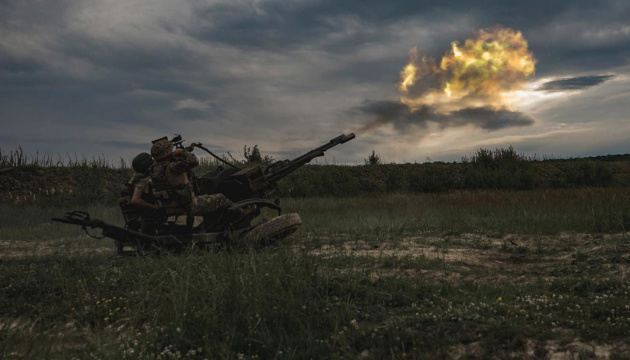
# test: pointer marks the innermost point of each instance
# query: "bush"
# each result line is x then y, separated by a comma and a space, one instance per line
253, 155
373, 159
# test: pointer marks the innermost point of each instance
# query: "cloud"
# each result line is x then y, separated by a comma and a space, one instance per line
246, 72
490, 119
192, 104
404, 117
383, 112
575, 83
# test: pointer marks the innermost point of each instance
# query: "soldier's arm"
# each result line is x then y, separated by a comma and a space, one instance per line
138, 201
191, 159
184, 161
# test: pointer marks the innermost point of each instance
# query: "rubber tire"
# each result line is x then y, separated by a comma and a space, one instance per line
270, 232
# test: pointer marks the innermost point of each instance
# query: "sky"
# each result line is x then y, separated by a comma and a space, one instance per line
105, 77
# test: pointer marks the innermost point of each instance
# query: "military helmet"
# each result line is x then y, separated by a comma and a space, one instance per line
142, 162
161, 149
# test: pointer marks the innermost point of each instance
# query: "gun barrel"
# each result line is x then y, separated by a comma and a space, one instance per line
341, 139
347, 138
279, 172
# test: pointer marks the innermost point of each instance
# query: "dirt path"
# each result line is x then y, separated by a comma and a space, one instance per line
36, 248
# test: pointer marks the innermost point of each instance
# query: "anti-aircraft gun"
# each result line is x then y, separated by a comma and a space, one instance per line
234, 226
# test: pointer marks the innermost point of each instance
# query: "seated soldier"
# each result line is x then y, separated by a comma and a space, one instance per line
170, 178
142, 197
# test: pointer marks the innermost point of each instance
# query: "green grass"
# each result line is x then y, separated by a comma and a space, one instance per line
389, 216
32, 222
479, 274
527, 212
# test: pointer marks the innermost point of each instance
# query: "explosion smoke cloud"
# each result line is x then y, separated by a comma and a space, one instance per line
402, 116
469, 85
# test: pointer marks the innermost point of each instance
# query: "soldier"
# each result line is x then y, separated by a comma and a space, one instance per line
171, 182
140, 183
142, 198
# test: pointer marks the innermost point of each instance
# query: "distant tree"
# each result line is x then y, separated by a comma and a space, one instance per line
253, 155
373, 159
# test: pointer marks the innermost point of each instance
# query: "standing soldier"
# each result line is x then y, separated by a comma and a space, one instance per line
170, 178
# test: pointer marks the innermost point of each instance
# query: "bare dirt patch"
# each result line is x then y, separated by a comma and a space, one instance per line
585, 350
511, 253
28, 248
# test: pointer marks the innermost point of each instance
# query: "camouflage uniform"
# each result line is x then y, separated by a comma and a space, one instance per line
143, 185
172, 186
206, 204
137, 182
138, 219
141, 182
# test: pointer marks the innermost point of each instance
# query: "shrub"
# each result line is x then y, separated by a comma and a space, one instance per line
372, 159
254, 156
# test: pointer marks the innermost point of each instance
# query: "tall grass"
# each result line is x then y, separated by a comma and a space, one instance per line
590, 210
526, 212
18, 158
504, 169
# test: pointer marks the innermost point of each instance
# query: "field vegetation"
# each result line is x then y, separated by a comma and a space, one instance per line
495, 256
458, 274
36, 177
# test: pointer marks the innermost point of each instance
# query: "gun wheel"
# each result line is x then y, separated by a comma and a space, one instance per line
270, 232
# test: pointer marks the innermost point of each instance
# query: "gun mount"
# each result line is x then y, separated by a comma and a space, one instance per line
233, 227
178, 232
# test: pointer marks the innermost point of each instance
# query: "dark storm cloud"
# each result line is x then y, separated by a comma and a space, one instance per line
557, 32
583, 37
79, 65
281, 24
14, 66
70, 140
88, 103
91, 78
576, 83
190, 114
403, 117
490, 119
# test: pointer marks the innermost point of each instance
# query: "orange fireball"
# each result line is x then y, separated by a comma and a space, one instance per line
478, 72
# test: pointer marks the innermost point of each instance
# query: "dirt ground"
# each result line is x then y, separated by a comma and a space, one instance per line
473, 251
482, 257
514, 258
35, 248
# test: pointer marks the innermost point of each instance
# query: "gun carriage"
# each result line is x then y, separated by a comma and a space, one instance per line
238, 226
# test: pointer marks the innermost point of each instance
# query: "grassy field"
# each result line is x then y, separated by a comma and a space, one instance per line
471, 274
